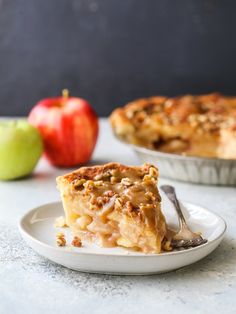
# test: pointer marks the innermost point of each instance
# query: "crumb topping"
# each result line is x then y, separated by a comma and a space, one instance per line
177, 125
133, 188
76, 242
60, 239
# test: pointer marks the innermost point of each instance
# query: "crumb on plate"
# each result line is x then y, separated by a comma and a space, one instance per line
76, 242
60, 239
60, 222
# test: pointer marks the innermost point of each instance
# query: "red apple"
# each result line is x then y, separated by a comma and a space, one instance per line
69, 128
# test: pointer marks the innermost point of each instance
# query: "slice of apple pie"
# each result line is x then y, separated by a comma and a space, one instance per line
115, 205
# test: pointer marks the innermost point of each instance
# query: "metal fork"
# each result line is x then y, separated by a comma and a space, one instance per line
185, 238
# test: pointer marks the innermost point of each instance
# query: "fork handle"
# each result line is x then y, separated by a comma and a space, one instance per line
170, 193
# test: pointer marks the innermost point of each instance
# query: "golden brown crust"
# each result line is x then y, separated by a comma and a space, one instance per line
90, 173
187, 124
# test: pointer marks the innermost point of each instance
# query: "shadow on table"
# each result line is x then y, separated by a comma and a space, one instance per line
56, 171
218, 263
98, 161
217, 266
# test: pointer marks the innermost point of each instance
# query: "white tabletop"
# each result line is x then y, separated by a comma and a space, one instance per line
31, 284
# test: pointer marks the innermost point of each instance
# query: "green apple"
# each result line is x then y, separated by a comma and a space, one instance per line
20, 148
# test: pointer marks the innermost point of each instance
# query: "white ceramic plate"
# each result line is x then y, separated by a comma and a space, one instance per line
37, 229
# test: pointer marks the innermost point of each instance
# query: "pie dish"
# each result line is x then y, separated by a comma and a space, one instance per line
203, 126
115, 205
190, 138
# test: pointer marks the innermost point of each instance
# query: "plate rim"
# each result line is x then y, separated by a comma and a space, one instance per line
25, 234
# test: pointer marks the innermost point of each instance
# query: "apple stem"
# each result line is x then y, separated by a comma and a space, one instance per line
65, 93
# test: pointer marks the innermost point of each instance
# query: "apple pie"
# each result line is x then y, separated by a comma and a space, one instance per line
115, 205
202, 125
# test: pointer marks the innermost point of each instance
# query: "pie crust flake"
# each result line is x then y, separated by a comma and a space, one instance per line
203, 125
115, 205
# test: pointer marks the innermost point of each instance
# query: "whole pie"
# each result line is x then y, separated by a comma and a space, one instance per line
202, 125
115, 205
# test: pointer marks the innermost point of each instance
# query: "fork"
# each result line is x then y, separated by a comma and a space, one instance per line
185, 238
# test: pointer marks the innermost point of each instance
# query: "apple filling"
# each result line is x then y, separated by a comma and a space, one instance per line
115, 205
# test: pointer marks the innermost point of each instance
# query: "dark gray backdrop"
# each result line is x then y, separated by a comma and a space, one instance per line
112, 51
